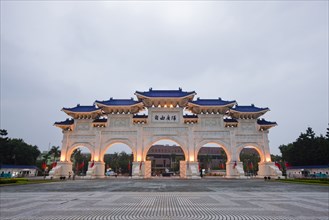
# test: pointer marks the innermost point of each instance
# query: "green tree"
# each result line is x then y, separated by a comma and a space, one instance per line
55, 152
17, 152
308, 149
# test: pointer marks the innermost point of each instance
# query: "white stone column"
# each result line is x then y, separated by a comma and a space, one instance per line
234, 169
65, 143
147, 169
182, 169
97, 147
268, 169
137, 170
62, 169
97, 170
64, 166
266, 147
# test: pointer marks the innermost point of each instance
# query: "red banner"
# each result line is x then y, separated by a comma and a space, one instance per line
43, 165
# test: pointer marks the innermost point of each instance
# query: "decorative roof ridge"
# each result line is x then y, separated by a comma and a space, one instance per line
140, 116
230, 120
152, 91
190, 116
199, 101
100, 120
116, 102
265, 122
82, 108
251, 107
68, 121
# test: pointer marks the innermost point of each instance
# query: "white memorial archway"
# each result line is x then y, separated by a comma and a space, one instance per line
171, 114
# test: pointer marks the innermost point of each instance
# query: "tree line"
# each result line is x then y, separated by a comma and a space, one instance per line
307, 150
16, 151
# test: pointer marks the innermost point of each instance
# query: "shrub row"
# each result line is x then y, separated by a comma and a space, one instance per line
12, 180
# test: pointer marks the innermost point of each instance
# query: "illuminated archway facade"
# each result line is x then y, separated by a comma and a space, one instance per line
168, 114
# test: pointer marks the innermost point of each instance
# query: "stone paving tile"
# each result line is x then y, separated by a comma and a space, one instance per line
164, 205
164, 199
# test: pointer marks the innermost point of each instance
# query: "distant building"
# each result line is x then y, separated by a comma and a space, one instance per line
18, 170
320, 171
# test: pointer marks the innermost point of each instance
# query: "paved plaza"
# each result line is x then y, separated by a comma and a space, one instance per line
165, 199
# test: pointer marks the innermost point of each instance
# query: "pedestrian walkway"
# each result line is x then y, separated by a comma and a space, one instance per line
33, 202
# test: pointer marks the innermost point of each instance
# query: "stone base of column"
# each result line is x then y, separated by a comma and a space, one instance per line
62, 169
95, 170
137, 171
235, 170
189, 170
268, 169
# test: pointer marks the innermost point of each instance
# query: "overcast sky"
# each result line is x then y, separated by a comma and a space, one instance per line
57, 54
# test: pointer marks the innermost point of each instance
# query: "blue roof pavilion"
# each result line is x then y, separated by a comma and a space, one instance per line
114, 106
209, 106
165, 93
118, 102
83, 112
65, 125
247, 112
165, 98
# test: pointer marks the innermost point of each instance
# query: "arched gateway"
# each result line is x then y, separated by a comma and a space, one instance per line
208, 121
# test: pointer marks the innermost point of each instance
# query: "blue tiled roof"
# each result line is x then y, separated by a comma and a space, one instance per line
249, 108
212, 102
100, 120
66, 122
230, 120
9, 166
190, 116
166, 93
82, 108
264, 122
140, 116
308, 167
118, 102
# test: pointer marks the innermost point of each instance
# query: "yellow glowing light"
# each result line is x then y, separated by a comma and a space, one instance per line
95, 158
171, 106
139, 158
62, 158
268, 159
191, 158
165, 106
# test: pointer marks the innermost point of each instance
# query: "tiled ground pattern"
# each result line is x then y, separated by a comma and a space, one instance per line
164, 205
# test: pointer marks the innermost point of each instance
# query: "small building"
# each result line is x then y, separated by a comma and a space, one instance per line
18, 170
318, 171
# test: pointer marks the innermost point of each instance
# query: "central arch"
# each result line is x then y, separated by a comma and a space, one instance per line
219, 143
111, 142
157, 139
164, 157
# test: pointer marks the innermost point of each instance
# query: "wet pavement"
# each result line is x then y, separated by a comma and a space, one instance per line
165, 198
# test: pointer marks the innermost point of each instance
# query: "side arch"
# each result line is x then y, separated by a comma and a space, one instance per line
150, 144
76, 145
258, 148
217, 142
110, 142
